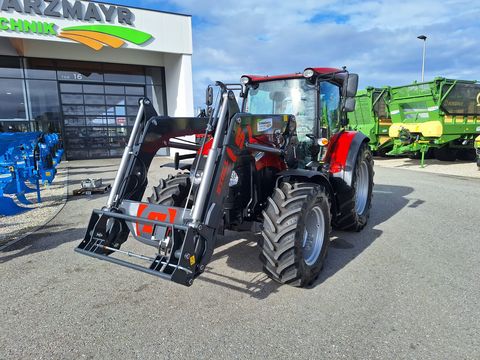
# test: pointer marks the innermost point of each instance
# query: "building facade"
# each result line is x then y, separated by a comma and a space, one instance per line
79, 67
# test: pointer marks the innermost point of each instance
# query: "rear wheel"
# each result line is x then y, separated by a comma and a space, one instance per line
445, 154
296, 230
355, 201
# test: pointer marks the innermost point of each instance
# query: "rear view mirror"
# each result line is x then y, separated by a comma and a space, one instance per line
352, 85
350, 104
209, 96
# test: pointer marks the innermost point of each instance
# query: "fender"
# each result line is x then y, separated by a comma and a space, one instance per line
311, 176
342, 154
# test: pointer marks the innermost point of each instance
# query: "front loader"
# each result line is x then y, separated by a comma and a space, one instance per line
283, 159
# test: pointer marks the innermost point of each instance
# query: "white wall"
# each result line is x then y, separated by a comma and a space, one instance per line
178, 77
73, 51
6, 47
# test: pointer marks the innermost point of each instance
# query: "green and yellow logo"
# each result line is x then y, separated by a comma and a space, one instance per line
98, 36
94, 36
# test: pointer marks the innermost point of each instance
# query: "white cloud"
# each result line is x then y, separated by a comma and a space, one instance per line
376, 39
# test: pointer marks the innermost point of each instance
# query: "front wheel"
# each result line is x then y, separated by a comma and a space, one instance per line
355, 201
296, 230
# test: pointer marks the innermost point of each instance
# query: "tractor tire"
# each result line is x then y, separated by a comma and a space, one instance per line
445, 154
172, 191
354, 202
296, 231
467, 155
383, 151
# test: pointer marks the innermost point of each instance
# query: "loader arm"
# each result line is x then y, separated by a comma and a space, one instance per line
184, 238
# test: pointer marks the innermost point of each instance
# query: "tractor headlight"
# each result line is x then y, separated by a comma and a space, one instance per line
308, 73
233, 179
244, 80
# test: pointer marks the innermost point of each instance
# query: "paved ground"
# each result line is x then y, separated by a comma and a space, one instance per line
457, 168
53, 198
405, 288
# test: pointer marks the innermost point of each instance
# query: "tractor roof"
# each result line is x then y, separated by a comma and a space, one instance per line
318, 70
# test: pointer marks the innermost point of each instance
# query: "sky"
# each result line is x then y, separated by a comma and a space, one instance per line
376, 39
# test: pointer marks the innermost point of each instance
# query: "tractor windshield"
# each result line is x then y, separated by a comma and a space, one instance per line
291, 96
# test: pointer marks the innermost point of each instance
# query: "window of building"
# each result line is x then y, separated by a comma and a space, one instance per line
10, 66
40, 69
43, 99
79, 71
124, 74
92, 105
12, 99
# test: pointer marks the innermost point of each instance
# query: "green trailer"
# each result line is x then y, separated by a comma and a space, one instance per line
443, 115
372, 118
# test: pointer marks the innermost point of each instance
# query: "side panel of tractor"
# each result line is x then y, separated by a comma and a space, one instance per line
443, 114
372, 118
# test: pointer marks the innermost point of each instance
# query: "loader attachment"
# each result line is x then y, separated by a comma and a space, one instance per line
180, 249
183, 237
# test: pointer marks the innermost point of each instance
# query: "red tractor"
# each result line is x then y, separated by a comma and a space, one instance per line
284, 160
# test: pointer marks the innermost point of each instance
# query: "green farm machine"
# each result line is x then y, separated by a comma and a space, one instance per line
442, 115
372, 118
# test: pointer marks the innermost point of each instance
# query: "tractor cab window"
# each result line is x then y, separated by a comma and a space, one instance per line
292, 96
329, 105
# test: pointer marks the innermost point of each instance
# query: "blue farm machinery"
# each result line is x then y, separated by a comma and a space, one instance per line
27, 160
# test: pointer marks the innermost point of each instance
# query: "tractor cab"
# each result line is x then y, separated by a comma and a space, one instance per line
319, 98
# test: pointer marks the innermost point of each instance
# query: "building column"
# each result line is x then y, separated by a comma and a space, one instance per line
178, 79
179, 89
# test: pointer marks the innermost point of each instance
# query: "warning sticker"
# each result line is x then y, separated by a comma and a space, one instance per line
264, 125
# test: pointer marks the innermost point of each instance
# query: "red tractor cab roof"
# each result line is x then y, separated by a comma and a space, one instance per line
318, 71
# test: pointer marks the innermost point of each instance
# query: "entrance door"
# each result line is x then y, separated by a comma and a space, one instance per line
98, 118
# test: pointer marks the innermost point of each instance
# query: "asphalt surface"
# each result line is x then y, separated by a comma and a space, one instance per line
407, 287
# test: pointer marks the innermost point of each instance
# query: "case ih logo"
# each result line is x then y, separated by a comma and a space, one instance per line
93, 36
